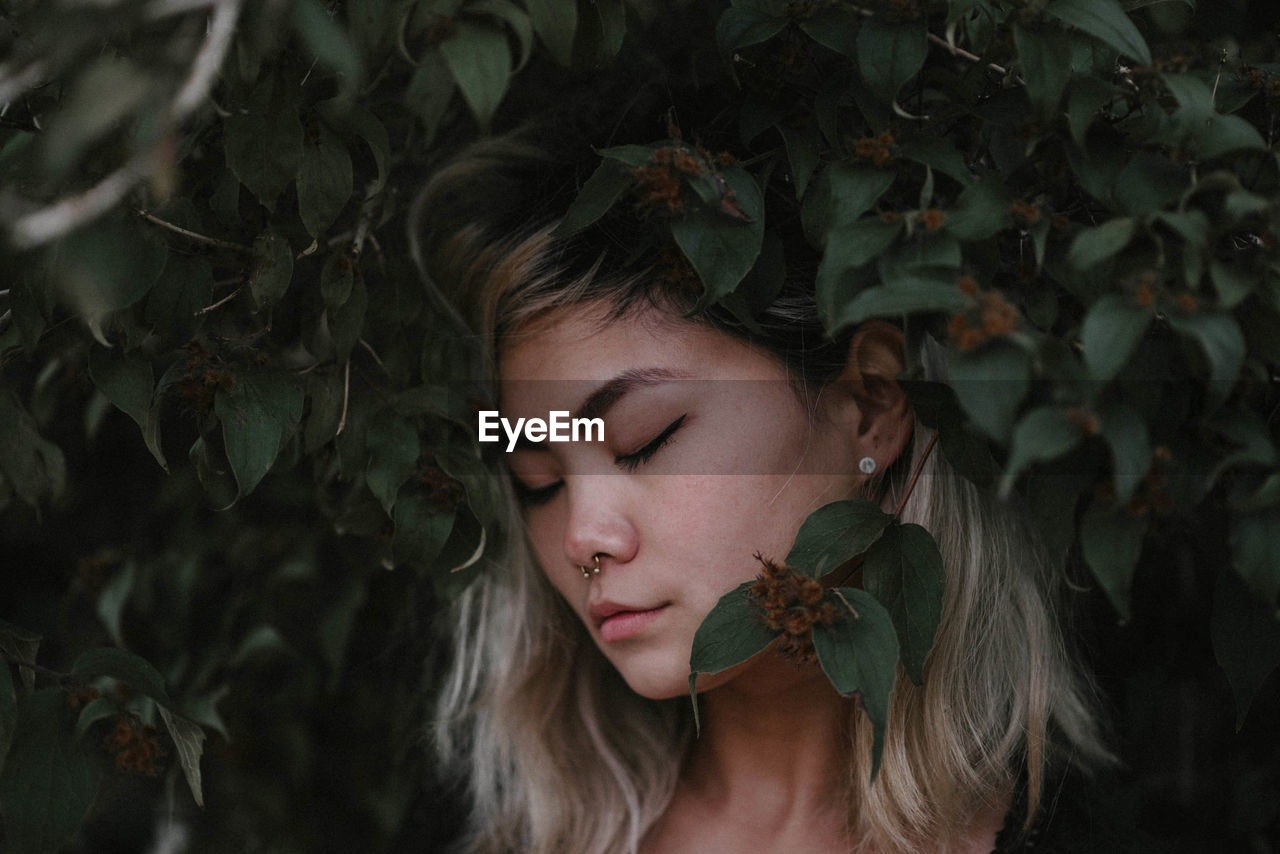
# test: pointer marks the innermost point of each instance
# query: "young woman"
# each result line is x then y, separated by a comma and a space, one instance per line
567, 708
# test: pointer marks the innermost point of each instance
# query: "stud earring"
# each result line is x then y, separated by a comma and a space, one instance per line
866, 465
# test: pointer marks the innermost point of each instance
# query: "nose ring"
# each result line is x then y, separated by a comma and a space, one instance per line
587, 572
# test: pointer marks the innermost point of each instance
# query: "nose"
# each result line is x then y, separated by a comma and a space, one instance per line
600, 520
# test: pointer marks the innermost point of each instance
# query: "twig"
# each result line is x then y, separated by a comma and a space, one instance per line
943, 43
847, 603
200, 238
166, 8
365, 344
964, 54
5, 318
204, 68
60, 678
228, 298
911, 484
346, 395
1213, 96
363, 224
14, 84
62, 216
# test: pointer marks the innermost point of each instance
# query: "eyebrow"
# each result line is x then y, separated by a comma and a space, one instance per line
600, 401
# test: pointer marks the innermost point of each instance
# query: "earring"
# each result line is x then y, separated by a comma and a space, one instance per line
866, 465
588, 572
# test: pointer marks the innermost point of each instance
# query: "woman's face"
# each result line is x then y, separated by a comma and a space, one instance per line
709, 457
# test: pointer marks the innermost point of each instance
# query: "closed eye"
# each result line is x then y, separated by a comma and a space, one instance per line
632, 461
532, 497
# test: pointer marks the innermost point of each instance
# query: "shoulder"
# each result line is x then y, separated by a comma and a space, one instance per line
1080, 814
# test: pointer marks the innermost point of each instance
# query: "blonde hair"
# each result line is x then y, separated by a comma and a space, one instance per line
561, 756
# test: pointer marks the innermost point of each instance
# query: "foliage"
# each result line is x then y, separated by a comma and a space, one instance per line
204, 207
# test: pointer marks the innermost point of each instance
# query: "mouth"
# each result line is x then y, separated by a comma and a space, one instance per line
619, 623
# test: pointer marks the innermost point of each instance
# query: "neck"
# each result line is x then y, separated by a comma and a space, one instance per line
772, 745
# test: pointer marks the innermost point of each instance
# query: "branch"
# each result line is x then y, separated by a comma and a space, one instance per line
13, 84
200, 238
60, 678
228, 298
204, 68
60, 217
915, 475
346, 395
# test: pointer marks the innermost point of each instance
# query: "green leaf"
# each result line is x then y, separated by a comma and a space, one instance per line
802, 157
1045, 56
113, 599
132, 670
598, 194
630, 155
336, 279
33, 466
271, 270
104, 267
848, 248
940, 154
890, 54
188, 739
906, 296
8, 710
729, 635
257, 414
328, 42
556, 23
349, 117
904, 572
126, 380
834, 533
183, 288
49, 779
480, 61
347, 320
613, 24
1255, 552
834, 27
1106, 21
324, 181
324, 391
263, 142
20, 644
431, 91
720, 247
1089, 95
739, 28
1111, 540
981, 211
392, 443
1110, 333
96, 710
990, 384
421, 529
1095, 245
859, 654
1043, 434
1223, 345
1246, 640
1126, 434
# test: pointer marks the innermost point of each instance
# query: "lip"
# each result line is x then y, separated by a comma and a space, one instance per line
619, 622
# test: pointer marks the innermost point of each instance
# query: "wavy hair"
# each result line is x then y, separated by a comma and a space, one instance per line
561, 756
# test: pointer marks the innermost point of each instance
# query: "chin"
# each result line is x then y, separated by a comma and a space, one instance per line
656, 680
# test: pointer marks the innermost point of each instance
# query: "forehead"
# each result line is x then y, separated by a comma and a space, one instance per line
581, 343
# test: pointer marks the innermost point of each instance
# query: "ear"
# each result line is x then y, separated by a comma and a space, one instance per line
876, 411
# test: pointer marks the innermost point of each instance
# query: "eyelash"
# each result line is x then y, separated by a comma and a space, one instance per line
632, 461
627, 462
